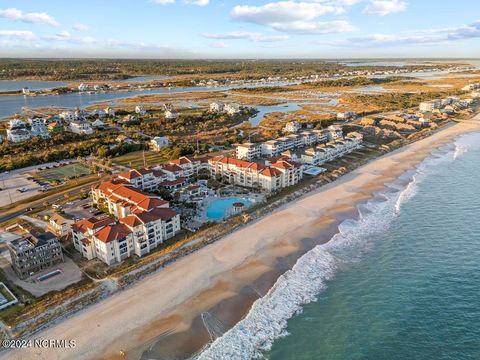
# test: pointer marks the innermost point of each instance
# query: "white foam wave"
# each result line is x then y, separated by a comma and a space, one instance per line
267, 319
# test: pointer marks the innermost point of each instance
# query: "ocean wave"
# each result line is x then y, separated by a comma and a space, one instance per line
268, 316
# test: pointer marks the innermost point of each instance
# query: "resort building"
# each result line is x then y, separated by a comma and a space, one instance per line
121, 199
332, 150
144, 222
33, 253
144, 179
274, 148
190, 166
83, 231
248, 151
278, 175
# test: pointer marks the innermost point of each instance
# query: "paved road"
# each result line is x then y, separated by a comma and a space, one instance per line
37, 204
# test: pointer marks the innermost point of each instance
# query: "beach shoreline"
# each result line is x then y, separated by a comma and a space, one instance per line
221, 280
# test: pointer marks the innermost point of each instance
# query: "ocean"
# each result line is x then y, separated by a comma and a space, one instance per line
400, 282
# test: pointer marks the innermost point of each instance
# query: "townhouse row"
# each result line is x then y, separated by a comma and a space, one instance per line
273, 148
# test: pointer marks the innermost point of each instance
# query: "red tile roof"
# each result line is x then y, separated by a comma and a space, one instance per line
171, 167
148, 216
126, 194
113, 232
135, 173
238, 163
177, 181
271, 172
92, 223
188, 160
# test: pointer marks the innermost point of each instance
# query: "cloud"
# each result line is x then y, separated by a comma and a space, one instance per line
419, 37
218, 45
18, 34
384, 7
80, 27
296, 17
61, 36
198, 2
164, 2
31, 18
245, 35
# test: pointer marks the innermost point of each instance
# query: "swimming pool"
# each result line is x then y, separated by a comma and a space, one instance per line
216, 210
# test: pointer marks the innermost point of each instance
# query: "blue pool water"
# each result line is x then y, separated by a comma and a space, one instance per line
216, 210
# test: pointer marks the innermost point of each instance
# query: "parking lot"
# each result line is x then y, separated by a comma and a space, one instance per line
21, 184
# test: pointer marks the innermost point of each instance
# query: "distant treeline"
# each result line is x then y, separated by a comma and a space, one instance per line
99, 69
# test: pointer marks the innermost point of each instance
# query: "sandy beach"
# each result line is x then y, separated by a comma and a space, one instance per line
175, 311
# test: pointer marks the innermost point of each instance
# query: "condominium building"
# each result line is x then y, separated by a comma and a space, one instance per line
142, 222
331, 150
248, 151
278, 175
144, 179
273, 148
121, 199
190, 165
33, 253
429, 106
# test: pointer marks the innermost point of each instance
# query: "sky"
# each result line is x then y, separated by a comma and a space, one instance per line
224, 29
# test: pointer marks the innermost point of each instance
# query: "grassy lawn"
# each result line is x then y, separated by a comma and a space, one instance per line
59, 173
135, 159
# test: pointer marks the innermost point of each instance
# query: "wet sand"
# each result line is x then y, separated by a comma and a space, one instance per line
174, 312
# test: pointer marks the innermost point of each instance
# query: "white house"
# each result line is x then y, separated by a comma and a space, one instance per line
68, 116
110, 111
38, 128
171, 114
346, 115
17, 135
81, 127
217, 106
159, 142
60, 224
140, 110
83, 87
232, 109
97, 124
292, 127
